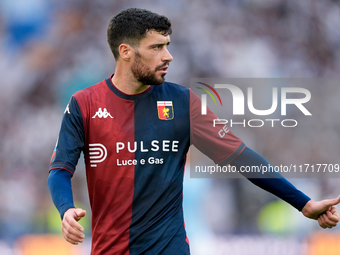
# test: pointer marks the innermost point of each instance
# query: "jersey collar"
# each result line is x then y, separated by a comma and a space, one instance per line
122, 95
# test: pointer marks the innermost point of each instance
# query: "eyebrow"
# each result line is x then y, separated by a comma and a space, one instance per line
159, 44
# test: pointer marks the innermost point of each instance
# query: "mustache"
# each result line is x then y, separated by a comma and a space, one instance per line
162, 66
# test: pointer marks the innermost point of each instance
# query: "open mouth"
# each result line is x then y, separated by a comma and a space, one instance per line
163, 69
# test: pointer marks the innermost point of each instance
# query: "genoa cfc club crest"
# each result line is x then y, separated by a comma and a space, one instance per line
165, 110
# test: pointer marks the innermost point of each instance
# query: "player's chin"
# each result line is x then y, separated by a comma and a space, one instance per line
160, 80
163, 77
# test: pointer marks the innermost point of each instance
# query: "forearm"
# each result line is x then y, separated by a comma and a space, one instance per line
274, 183
59, 184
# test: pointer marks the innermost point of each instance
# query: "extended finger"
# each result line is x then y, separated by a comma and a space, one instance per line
331, 202
72, 230
69, 229
74, 224
71, 238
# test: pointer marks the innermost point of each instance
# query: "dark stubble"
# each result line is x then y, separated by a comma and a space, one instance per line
144, 74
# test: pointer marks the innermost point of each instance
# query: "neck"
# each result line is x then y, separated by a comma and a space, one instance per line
127, 83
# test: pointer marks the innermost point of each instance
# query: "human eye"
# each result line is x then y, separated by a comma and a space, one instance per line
157, 47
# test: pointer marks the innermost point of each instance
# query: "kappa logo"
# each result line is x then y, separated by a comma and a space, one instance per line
102, 114
67, 110
98, 153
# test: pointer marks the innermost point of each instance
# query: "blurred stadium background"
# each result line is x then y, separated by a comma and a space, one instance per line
49, 49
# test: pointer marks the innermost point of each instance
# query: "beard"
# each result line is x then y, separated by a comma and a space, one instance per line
144, 74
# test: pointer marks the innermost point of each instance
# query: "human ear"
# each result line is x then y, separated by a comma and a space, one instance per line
125, 51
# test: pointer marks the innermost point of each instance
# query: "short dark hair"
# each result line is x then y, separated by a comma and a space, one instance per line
131, 25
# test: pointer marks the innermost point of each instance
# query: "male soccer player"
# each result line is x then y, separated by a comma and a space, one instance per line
135, 130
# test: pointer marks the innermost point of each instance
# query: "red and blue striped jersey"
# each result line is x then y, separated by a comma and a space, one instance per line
135, 150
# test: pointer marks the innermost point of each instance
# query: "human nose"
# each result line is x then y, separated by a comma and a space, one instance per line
167, 57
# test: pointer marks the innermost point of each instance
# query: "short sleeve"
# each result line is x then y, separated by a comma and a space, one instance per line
70, 142
217, 142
